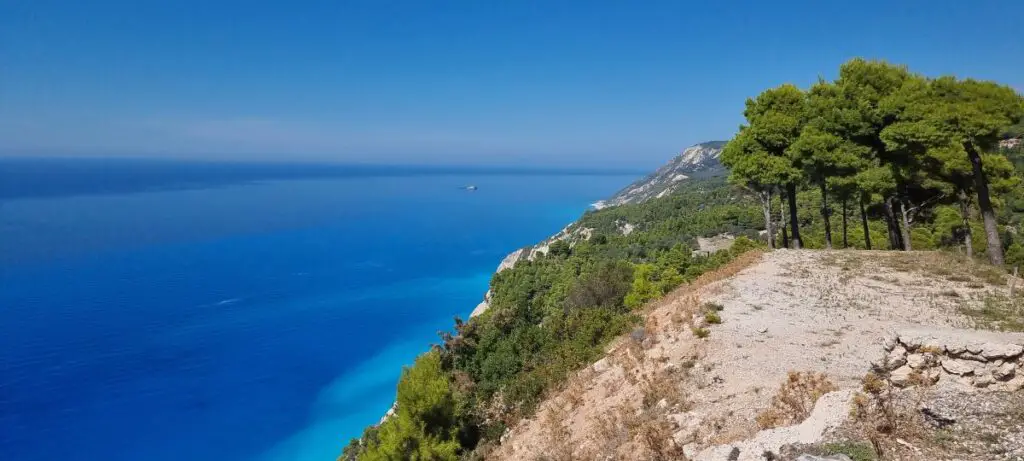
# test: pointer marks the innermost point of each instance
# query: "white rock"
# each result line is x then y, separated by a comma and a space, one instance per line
901, 377
601, 366
998, 351
956, 349
1013, 385
972, 357
958, 367
839, 457
1004, 371
911, 342
690, 450
888, 344
917, 361
983, 381
896, 358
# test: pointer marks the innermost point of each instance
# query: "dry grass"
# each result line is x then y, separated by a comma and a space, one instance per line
1000, 313
558, 437
795, 399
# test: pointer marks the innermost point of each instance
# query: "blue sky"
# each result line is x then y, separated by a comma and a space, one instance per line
612, 83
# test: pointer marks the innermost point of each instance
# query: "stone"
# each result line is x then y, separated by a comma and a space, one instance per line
956, 349
902, 376
888, 344
601, 366
690, 451
1004, 372
896, 358
973, 357
998, 351
983, 381
837, 457
911, 342
1013, 385
894, 362
917, 361
958, 367
936, 418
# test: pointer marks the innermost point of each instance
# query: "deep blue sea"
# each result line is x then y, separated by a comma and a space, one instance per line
154, 311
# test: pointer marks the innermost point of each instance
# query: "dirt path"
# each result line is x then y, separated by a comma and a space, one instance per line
663, 388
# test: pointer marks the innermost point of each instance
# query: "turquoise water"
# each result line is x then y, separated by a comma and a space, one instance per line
262, 317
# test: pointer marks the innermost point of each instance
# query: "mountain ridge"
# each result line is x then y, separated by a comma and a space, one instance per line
697, 161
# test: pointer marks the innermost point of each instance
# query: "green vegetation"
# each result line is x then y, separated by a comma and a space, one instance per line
913, 159
551, 316
919, 153
857, 451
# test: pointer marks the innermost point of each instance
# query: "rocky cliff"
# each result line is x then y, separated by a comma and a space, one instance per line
699, 161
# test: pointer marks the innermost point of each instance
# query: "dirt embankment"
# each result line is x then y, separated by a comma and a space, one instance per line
733, 365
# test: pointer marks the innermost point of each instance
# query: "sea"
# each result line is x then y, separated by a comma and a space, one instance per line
157, 310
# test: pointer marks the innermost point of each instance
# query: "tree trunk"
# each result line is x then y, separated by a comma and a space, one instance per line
766, 207
793, 219
907, 246
782, 219
988, 213
965, 213
864, 223
825, 216
846, 241
895, 234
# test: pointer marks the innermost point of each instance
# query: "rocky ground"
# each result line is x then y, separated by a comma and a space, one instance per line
731, 367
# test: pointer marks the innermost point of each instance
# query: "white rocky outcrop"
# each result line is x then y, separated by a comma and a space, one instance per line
694, 161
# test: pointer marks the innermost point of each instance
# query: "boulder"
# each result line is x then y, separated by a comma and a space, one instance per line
999, 351
1013, 385
902, 376
918, 361
955, 349
896, 358
958, 367
911, 341
888, 344
983, 381
1005, 371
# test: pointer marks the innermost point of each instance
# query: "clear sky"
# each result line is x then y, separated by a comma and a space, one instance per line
477, 81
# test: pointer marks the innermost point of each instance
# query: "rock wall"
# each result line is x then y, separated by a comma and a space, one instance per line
967, 362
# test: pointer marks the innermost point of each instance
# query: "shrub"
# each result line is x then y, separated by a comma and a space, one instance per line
795, 399
712, 317
700, 332
709, 306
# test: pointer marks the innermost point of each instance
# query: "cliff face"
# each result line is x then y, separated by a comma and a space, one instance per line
699, 161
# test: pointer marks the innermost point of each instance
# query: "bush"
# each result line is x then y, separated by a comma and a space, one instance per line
426, 422
795, 399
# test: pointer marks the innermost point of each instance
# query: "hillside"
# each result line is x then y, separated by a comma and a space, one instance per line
699, 161
664, 392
